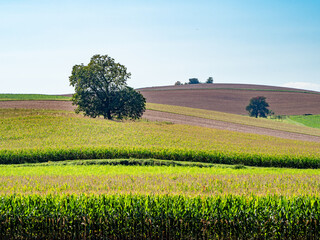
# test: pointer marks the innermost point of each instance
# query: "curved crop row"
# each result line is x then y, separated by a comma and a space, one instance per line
18, 156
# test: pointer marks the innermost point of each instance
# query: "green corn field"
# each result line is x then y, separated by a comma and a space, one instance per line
158, 217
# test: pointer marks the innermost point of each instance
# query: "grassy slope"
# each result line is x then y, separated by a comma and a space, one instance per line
309, 121
24, 129
16, 97
233, 118
48, 135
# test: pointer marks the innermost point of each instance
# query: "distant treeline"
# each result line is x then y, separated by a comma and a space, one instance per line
194, 81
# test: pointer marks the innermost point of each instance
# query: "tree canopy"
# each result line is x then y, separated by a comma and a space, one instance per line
101, 90
209, 80
258, 107
193, 81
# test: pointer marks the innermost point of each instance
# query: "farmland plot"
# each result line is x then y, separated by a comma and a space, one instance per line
38, 136
139, 202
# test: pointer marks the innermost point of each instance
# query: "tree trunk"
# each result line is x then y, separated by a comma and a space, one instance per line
109, 115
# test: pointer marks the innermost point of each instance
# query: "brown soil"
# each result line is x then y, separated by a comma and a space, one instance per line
223, 86
52, 105
217, 98
169, 117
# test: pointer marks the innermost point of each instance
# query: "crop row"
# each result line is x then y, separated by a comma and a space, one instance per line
158, 217
18, 156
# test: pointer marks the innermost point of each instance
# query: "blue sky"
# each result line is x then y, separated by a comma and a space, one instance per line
160, 42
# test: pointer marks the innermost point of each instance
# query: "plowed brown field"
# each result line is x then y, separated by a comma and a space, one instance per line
233, 98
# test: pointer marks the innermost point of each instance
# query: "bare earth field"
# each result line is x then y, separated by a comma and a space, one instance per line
52, 105
169, 117
233, 98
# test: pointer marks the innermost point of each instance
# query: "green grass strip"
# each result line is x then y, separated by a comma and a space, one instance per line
306, 120
22, 97
131, 162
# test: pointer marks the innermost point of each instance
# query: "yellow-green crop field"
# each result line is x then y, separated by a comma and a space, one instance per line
76, 200
39, 136
157, 180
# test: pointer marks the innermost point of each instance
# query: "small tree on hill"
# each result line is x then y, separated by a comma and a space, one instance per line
177, 83
193, 81
258, 107
209, 80
101, 89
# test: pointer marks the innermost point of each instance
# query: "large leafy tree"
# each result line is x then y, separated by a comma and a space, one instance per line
101, 90
258, 107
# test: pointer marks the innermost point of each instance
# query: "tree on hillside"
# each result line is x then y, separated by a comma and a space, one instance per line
194, 81
101, 90
177, 83
209, 80
258, 107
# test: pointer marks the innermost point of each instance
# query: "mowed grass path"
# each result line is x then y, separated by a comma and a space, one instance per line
157, 180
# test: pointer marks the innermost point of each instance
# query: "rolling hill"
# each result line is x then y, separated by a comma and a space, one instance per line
223, 100
233, 98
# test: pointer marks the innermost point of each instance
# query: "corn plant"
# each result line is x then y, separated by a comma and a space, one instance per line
158, 217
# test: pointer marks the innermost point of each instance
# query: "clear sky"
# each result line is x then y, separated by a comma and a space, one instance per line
270, 42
